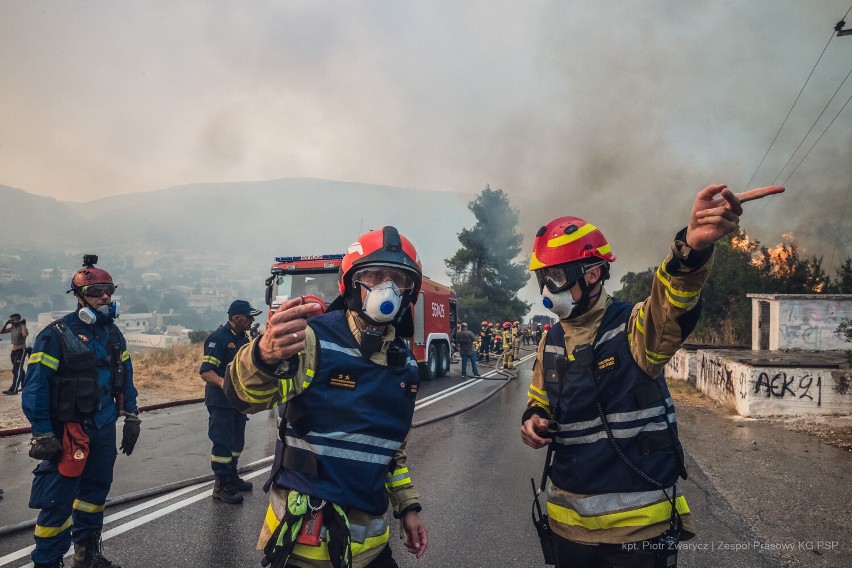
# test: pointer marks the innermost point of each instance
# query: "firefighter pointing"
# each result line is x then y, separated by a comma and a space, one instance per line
598, 397
349, 383
78, 382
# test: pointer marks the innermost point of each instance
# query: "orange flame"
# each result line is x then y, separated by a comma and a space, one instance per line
779, 255
743, 243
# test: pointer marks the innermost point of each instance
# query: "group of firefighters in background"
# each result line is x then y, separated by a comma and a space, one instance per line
504, 340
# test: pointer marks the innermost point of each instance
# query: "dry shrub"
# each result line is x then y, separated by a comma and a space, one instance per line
720, 332
170, 371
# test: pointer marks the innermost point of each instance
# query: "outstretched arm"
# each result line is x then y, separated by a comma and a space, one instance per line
716, 212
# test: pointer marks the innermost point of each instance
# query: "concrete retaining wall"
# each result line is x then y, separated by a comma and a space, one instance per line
756, 391
799, 321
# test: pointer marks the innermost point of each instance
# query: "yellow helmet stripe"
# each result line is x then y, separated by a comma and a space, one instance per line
565, 239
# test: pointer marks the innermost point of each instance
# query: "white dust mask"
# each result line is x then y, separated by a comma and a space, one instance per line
382, 302
561, 303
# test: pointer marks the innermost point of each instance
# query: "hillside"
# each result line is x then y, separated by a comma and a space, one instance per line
247, 223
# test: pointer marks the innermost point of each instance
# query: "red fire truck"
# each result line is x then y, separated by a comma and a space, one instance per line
434, 313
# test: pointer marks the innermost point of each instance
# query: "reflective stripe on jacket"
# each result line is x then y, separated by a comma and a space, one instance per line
46, 361
595, 496
638, 409
346, 428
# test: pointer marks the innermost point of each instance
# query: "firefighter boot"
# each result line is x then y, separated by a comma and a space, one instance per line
238, 484
87, 554
225, 492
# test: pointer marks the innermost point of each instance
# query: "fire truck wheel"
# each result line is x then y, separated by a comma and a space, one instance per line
443, 360
432, 363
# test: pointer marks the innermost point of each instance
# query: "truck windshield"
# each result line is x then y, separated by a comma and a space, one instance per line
321, 285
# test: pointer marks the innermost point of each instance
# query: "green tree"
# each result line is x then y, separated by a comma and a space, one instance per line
842, 283
198, 336
723, 295
726, 308
483, 271
635, 286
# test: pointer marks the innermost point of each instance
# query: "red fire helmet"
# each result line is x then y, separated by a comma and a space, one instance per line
382, 247
568, 239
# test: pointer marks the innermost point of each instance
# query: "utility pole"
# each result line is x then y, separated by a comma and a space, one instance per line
839, 29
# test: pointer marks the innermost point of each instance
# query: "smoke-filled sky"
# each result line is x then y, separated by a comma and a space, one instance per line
618, 111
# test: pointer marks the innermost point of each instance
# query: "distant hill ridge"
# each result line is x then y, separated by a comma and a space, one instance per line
254, 220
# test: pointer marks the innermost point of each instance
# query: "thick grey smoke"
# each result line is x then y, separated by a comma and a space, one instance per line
614, 111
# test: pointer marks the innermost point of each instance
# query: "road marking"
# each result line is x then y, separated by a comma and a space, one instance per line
106, 535
455, 389
18, 554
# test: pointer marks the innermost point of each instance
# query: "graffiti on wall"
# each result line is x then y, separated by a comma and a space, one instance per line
714, 375
811, 325
788, 385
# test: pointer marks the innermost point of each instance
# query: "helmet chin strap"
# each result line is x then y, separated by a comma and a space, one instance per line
585, 299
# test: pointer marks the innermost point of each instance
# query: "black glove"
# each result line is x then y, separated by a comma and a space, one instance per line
130, 433
45, 447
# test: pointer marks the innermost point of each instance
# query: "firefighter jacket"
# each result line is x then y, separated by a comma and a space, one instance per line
594, 497
46, 365
219, 350
485, 340
348, 420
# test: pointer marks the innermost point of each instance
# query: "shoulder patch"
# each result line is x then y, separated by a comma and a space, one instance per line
343, 381
211, 345
607, 364
83, 338
232, 345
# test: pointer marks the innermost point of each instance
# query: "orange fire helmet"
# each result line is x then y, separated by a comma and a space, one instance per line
89, 275
382, 247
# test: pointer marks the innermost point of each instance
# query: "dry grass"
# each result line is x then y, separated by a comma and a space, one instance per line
683, 393
168, 373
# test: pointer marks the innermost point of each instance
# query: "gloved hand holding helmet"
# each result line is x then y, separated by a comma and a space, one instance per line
130, 433
45, 447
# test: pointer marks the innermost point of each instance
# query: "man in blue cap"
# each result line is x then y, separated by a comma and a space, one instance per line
226, 425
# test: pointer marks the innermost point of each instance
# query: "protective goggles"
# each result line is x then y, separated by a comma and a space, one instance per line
375, 275
97, 290
562, 277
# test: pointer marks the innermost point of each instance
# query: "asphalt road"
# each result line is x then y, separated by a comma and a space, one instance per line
749, 499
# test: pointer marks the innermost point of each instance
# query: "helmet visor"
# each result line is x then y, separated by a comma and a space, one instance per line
98, 290
562, 277
375, 275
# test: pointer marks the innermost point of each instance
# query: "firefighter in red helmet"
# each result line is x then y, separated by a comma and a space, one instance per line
516, 340
485, 341
79, 381
346, 375
597, 385
508, 346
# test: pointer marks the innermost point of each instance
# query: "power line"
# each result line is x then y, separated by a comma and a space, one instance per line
840, 222
805, 137
789, 112
817, 140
